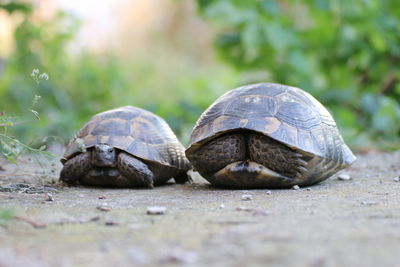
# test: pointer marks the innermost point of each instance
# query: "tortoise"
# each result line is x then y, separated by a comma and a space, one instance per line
267, 135
124, 147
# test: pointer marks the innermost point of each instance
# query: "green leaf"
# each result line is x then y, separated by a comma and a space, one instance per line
278, 36
12, 7
271, 7
11, 158
387, 116
378, 41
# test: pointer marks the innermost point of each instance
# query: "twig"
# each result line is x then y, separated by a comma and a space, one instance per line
18, 174
16, 123
45, 153
36, 225
388, 83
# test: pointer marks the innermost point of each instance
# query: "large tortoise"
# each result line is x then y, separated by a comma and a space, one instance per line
124, 147
267, 136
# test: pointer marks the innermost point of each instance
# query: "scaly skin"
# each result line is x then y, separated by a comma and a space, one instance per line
276, 156
76, 167
135, 170
219, 152
232, 147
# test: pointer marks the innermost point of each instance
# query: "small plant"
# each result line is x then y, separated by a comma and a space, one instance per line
10, 147
37, 76
6, 214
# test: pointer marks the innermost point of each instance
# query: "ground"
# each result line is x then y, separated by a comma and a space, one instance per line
354, 222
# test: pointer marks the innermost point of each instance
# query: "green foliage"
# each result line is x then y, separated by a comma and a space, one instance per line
13, 6
83, 83
11, 147
346, 53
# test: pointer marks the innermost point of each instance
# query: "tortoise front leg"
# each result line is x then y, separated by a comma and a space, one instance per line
75, 168
135, 170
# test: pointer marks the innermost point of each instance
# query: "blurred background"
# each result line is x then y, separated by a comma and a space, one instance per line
175, 57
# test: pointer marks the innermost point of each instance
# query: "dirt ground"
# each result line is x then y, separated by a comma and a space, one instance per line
335, 223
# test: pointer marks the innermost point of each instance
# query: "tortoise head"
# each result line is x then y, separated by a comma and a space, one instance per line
104, 156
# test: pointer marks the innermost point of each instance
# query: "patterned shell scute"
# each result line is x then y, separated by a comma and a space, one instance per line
287, 114
134, 130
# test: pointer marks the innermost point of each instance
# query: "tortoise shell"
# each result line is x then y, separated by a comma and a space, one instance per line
284, 113
135, 131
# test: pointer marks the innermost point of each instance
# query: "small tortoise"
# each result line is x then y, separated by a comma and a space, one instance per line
267, 136
124, 147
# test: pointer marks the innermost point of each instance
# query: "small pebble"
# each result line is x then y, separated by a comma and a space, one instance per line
110, 223
243, 209
296, 187
95, 219
247, 197
396, 179
156, 210
369, 203
261, 212
103, 208
344, 177
49, 197
222, 206
102, 197
179, 255
308, 189
268, 192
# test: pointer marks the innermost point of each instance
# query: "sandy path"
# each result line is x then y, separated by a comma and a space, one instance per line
335, 223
